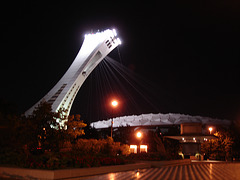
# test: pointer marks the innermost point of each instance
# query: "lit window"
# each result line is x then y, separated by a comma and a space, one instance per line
133, 148
143, 148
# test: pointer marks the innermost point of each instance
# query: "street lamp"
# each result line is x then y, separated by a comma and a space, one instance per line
210, 149
114, 104
210, 129
139, 134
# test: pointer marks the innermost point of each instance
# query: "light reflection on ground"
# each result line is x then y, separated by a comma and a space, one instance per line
193, 171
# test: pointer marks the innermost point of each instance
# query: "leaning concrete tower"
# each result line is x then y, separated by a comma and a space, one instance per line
94, 48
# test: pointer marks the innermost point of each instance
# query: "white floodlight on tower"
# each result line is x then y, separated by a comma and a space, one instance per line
119, 41
94, 49
114, 32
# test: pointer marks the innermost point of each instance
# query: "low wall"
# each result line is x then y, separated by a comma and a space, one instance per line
21, 173
156, 164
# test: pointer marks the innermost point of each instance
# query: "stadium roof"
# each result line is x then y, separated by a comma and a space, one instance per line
158, 120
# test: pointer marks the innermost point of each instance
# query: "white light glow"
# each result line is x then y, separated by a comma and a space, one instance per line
119, 41
114, 32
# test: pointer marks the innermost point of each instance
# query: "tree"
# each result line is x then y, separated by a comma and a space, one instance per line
75, 126
37, 129
172, 146
235, 134
159, 144
8, 117
219, 148
91, 133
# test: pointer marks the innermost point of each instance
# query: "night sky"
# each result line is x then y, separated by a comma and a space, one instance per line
188, 50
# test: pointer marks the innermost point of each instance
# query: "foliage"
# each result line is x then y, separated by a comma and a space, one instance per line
219, 148
59, 160
75, 126
156, 143
235, 134
90, 133
32, 132
103, 146
40, 141
124, 149
7, 130
153, 156
8, 117
42, 119
44, 129
172, 148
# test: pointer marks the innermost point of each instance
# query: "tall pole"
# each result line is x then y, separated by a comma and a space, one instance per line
112, 125
210, 151
114, 105
139, 136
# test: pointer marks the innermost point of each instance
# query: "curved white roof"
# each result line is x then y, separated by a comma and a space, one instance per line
157, 120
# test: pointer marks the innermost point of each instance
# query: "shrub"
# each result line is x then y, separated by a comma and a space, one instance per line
147, 157
102, 146
125, 149
84, 153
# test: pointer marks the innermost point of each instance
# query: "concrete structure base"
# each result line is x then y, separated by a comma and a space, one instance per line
21, 173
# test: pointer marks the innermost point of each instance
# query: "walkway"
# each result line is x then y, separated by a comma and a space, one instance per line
195, 171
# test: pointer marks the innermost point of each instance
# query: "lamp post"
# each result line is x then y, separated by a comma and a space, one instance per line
139, 136
114, 104
210, 150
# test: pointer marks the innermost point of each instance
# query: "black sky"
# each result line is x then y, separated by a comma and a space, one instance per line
189, 49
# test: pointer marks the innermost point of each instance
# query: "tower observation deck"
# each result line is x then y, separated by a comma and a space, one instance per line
94, 49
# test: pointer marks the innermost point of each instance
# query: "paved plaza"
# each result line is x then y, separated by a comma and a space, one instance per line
194, 171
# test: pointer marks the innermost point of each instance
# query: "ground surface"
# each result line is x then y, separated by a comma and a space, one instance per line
194, 171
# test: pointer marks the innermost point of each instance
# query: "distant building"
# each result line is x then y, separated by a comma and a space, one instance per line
191, 138
190, 131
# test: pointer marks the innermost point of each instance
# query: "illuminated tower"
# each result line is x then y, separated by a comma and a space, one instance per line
94, 48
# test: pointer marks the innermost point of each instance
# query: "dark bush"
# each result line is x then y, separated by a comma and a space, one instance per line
147, 157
